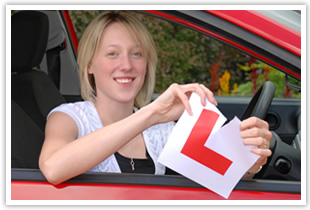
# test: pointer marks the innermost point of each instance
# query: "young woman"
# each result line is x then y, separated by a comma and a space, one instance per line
116, 128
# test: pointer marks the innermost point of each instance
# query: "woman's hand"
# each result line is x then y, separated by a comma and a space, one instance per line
171, 104
256, 132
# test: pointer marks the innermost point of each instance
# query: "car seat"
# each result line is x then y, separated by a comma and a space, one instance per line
31, 89
26, 139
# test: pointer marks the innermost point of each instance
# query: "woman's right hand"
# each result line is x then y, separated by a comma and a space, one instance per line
170, 105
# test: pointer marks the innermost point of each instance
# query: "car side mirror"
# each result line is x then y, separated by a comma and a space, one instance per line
293, 82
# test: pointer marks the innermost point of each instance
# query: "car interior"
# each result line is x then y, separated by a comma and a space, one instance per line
35, 92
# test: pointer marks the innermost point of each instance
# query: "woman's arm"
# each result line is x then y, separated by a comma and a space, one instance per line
63, 156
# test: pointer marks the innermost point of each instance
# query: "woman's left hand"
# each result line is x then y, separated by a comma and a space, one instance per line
256, 132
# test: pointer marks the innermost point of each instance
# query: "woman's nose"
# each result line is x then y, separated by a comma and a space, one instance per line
125, 63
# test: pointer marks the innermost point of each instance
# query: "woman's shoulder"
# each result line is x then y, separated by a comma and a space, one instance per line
83, 111
77, 104
75, 107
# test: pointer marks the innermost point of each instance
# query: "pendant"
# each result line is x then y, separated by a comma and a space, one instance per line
132, 163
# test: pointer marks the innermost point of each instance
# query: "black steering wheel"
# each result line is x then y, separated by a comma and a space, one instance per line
285, 160
260, 102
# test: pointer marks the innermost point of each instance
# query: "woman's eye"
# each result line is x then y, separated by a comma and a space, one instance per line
112, 54
137, 54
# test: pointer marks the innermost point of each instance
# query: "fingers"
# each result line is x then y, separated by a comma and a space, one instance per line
183, 98
256, 132
253, 121
201, 90
262, 144
261, 152
264, 153
257, 141
189, 88
171, 104
255, 127
209, 94
182, 92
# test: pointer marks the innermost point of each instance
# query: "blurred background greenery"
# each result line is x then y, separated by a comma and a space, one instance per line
187, 56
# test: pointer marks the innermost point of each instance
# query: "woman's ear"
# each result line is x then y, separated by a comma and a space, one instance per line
89, 69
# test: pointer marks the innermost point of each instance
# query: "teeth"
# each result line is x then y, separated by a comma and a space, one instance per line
124, 80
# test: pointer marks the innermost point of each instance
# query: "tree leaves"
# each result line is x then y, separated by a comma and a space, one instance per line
186, 56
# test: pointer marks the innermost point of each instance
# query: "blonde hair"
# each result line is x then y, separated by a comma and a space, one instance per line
89, 45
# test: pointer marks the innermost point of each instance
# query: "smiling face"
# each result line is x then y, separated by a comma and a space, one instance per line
118, 66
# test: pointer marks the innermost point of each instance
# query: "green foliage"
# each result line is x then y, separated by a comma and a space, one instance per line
186, 56
272, 74
81, 18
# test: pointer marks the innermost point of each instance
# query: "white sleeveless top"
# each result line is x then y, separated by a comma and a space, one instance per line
85, 115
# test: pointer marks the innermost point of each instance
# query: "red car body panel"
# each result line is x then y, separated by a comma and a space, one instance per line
264, 27
71, 30
78, 191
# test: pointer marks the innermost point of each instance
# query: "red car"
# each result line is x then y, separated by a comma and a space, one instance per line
44, 74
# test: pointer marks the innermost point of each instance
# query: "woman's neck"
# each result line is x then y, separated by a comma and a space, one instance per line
111, 111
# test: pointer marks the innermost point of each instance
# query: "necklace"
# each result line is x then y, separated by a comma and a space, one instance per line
132, 163
131, 148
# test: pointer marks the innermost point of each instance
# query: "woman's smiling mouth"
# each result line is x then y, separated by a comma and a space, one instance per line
124, 80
